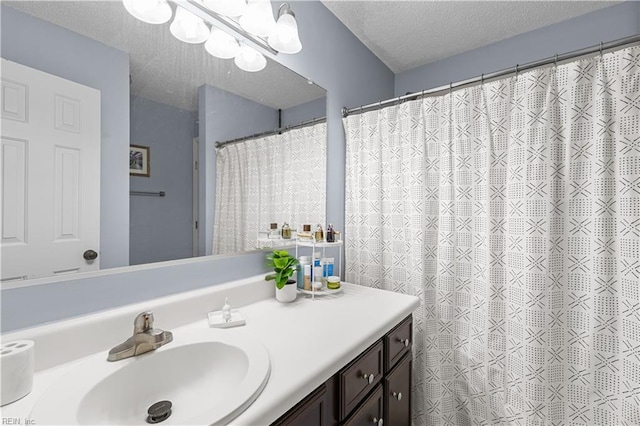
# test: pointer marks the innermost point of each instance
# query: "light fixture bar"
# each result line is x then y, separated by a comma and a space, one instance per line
213, 18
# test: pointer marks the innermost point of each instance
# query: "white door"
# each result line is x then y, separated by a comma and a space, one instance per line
50, 171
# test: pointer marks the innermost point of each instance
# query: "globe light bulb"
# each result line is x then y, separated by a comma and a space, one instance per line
250, 60
188, 27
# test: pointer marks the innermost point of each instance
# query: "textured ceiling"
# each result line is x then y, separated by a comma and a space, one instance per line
165, 69
407, 34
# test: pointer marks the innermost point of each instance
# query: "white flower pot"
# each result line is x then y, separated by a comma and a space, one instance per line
287, 293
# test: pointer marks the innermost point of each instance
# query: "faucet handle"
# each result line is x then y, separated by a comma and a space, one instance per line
143, 322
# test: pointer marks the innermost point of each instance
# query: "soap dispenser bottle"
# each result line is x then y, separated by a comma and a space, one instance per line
226, 310
286, 231
330, 234
274, 234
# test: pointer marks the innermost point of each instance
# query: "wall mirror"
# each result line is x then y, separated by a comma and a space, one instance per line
156, 107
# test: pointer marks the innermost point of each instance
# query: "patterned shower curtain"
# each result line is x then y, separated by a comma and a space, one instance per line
278, 178
512, 210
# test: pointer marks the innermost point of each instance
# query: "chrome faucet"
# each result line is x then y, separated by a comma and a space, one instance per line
145, 339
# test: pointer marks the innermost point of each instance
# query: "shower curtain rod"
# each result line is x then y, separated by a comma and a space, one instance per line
498, 74
272, 132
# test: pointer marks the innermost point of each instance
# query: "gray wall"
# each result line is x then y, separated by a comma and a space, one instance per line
55, 50
587, 30
160, 227
304, 112
223, 116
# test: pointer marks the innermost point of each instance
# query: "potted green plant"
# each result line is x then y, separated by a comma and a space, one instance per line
284, 266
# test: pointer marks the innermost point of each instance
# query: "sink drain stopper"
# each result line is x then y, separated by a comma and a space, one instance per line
159, 412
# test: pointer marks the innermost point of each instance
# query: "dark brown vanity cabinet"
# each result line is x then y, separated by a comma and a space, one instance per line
397, 393
312, 410
370, 412
373, 389
359, 377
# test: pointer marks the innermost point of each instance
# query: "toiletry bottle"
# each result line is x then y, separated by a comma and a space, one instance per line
327, 266
306, 233
307, 277
304, 261
317, 275
286, 231
316, 262
324, 262
319, 234
330, 234
226, 310
273, 231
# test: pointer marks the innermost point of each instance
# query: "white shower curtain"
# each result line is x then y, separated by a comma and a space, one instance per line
512, 209
278, 178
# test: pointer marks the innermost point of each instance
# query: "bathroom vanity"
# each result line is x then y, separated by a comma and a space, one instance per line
341, 359
374, 388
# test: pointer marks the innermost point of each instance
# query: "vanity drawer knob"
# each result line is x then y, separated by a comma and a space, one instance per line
377, 422
368, 377
397, 395
405, 342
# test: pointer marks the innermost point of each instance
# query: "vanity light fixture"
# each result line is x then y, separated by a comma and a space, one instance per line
231, 8
149, 11
284, 38
222, 45
249, 59
258, 18
188, 27
233, 22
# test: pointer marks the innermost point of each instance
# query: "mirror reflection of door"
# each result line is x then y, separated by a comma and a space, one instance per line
50, 163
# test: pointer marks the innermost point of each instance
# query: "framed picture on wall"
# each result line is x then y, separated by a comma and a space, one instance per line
139, 160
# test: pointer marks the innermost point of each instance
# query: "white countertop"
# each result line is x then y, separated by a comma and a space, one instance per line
308, 341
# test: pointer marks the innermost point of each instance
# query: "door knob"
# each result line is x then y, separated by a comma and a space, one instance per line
90, 255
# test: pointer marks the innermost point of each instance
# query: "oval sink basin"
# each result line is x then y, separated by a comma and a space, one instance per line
207, 382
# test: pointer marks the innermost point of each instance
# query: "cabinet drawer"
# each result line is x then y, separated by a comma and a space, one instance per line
354, 386
397, 393
309, 412
370, 412
397, 342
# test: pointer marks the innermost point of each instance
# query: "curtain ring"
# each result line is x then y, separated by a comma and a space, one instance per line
450, 87
482, 79
517, 70
555, 60
601, 43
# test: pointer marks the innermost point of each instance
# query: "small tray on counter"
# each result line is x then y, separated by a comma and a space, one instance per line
216, 320
323, 291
